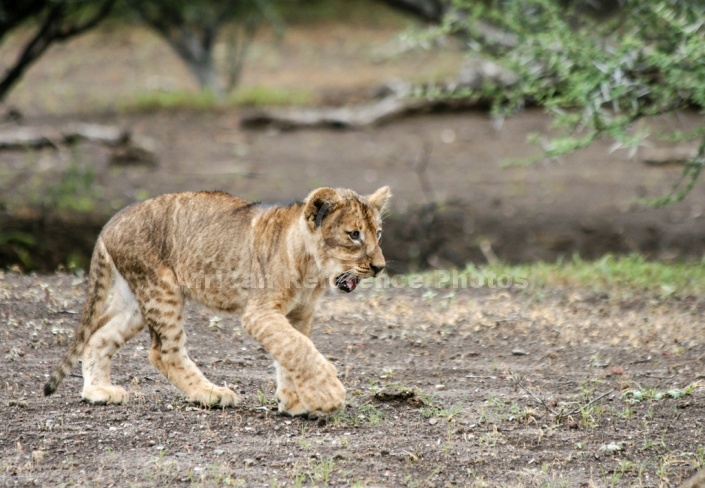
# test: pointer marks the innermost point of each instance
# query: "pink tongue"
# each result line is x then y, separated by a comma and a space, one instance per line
351, 283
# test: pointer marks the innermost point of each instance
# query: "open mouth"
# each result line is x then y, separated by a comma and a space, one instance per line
347, 282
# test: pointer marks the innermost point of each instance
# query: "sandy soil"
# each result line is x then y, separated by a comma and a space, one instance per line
446, 387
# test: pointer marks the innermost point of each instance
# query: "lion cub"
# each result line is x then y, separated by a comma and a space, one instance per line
268, 263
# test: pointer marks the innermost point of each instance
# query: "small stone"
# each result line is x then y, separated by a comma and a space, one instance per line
519, 352
612, 447
440, 387
433, 421
38, 456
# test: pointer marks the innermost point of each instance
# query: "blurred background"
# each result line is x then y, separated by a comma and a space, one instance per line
509, 131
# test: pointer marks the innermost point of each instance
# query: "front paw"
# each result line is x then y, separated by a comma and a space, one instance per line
209, 395
322, 393
290, 403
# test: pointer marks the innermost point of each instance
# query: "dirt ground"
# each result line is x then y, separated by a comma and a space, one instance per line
446, 387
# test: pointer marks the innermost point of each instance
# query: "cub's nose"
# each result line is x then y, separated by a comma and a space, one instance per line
376, 268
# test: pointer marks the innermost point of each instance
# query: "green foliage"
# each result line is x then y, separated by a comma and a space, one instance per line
597, 76
75, 190
357, 12
19, 244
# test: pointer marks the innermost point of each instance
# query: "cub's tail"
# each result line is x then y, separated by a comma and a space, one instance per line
96, 296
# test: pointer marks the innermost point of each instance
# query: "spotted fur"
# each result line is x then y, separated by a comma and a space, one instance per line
267, 263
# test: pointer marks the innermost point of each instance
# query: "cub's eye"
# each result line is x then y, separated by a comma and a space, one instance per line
354, 235
379, 234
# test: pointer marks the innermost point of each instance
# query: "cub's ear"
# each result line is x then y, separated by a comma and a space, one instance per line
318, 204
380, 198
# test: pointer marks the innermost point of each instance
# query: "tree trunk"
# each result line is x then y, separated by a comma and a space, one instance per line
191, 40
197, 52
203, 68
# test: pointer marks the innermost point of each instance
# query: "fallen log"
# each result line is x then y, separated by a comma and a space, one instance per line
335, 117
38, 137
127, 148
672, 155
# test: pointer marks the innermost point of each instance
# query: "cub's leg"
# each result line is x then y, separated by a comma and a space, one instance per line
162, 304
287, 396
315, 380
119, 323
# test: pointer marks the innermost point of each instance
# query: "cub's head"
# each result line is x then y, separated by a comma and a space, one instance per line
344, 230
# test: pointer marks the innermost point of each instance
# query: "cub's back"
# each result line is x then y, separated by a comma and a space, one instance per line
184, 231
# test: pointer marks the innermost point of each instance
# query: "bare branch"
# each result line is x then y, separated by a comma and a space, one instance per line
519, 382
54, 27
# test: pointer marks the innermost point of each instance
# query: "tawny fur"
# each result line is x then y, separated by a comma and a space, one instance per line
267, 263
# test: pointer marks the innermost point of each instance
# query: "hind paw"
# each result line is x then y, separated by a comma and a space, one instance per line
214, 396
102, 395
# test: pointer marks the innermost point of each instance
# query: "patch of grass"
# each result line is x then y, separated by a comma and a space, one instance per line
699, 458
497, 410
318, 472
260, 96
611, 478
438, 411
589, 415
492, 438
220, 475
371, 414
253, 96
264, 400
632, 272
366, 413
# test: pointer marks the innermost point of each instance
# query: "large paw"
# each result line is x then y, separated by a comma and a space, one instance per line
210, 395
292, 407
289, 401
102, 395
321, 393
